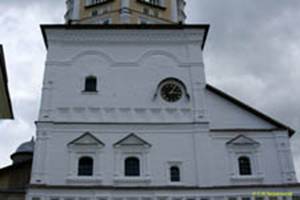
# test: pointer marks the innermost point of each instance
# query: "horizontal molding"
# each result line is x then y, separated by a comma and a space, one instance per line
176, 188
245, 130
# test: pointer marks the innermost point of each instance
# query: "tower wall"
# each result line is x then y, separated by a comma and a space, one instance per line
125, 12
129, 66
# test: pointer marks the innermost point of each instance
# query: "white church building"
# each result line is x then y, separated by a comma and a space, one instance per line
127, 114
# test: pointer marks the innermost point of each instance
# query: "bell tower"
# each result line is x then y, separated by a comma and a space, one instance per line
125, 11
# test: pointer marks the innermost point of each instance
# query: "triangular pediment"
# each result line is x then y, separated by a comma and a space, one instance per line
87, 139
132, 140
242, 140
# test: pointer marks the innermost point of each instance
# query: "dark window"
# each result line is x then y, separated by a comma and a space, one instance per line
94, 13
91, 84
156, 13
262, 198
132, 167
245, 166
107, 21
86, 165
175, 174
146, 11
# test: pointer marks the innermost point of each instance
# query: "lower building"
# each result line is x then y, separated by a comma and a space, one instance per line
14, 179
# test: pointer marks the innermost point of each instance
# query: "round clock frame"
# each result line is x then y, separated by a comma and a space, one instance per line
171, 91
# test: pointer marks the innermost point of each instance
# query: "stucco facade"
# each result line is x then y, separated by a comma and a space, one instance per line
127, 114
203, 134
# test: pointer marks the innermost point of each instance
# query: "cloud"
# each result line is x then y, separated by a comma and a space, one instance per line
25, 57
252, 52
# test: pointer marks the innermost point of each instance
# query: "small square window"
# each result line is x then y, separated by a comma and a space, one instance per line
232, 198
273, 198
107, 21
204, 198
143, 22
94, 13
219, 198
102, 198
156, 13
259, 198
162, 198
146, 11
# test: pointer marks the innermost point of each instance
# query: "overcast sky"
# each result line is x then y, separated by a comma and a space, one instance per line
252, 52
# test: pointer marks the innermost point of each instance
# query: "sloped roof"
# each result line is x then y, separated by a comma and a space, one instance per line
250, 109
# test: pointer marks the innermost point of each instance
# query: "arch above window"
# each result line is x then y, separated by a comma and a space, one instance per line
245, 166
175, 174
85, 166
132, 166
90, 84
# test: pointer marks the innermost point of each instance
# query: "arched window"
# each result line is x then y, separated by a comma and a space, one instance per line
175, 174
245, 166
90, 84
132, 166
85, 166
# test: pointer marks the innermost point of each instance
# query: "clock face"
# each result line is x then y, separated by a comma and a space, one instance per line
171, 91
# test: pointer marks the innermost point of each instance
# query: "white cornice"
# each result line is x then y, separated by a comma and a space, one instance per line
117, 35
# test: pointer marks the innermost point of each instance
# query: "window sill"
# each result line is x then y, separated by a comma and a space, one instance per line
132, 180
84, 179
152, 5
176, 183
89, 92
247, 178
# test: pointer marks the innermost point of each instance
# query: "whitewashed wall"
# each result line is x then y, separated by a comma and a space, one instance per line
129, 65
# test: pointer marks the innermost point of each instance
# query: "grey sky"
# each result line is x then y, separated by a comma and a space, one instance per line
252, 52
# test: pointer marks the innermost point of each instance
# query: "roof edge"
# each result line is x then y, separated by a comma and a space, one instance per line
263, 116
5, 79
125, 26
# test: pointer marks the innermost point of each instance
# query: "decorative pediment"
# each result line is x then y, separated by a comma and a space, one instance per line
132, 140
242, 140
87, 139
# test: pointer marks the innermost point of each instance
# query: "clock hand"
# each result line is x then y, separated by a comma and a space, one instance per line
173, 90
